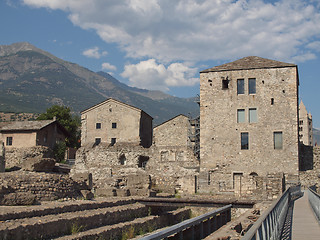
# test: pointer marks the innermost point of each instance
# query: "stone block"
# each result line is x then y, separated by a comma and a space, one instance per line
139, 192
105, 192
38, 164
83, 177
88, 195
19, 198
122, 192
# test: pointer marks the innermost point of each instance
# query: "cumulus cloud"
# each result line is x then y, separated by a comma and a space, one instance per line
94, 53
108, 66
194, 30
151, 75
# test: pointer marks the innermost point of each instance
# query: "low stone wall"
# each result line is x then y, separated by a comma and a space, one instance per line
15, 156
310, 166
43, 186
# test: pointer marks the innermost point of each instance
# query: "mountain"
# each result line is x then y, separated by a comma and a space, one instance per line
32, 80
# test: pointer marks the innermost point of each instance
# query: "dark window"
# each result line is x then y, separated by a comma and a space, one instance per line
143, 160
272, 101
98, 125
245, 140
97, 141
277, 139
252, 86
225, 83
9, 141
301, 122
114, 125
113, 141
240, 86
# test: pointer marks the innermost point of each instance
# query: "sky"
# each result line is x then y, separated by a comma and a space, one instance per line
164, 44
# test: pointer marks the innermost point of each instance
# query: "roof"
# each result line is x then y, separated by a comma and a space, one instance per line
29, 126
251, 62
113, 100
182, 115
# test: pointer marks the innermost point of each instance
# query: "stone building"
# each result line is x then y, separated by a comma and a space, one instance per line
249, 126
113, 122
305, 126
23, 139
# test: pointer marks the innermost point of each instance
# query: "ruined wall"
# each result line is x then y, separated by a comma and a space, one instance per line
276, 106
15, 156
45, 186
2, 157
130, 167
310, 166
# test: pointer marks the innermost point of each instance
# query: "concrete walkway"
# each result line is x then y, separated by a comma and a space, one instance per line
305, 224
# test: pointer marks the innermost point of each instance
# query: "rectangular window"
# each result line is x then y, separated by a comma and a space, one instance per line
240, 86
114, 125
240, 116
277, 138
245, 140
98, 125
301, 122
97, 141
252, 85
225, 83
113, 141
253, 115
9, 141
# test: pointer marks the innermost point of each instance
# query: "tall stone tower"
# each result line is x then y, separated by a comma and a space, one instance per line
305, 126
248, 124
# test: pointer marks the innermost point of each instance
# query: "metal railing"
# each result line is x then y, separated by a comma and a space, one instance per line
270, 224
314, 200
195, 228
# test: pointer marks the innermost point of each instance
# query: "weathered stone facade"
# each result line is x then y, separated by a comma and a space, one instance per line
249, 124
305, 126
2, 157
114, 122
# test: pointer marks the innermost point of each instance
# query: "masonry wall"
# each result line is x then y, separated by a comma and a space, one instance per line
20, 139
126, 118
222, 160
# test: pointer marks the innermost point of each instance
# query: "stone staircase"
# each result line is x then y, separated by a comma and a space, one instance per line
100, 219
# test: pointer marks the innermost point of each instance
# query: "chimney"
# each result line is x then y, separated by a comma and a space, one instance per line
54, 118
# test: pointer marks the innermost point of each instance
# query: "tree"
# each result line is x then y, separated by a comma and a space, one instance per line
70, 122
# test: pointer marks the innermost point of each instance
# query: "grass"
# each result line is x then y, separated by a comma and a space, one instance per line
75, 228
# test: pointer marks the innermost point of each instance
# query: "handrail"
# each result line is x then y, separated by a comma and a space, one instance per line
187, 224
314, 200
270, 224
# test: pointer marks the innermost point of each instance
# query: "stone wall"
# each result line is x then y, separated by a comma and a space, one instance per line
2, 157
275, 103
44, 186
129, 169
310, 166
15, 156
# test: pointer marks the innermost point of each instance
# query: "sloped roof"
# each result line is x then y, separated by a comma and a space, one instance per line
251, 62
182, 115
29, 126
113, 100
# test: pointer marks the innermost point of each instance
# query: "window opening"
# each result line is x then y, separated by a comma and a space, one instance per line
240, 115
240, 86
97, 141
113, 141
123, 160
225, 83
253, 115
143, 160
272, 101
252, 85
277, 138
114, 125
98, 125
244, 140
9, 141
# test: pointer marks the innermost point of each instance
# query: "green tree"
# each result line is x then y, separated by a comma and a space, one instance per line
70, 122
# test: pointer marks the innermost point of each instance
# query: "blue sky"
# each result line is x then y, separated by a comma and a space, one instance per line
164, 44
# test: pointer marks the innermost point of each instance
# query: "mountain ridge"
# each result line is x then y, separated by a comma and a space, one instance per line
32, 80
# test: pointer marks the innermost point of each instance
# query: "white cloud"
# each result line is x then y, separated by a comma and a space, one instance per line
194, 30
108, 66
151, 75
94, 53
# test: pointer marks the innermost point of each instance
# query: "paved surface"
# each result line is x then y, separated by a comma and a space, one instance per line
305, 224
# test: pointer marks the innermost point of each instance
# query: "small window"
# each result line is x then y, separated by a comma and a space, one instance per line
272, 101
114, 125
244, 140
301, 122
240, 115
9, 141
98, 125
300, 128
97, 141
252, 86
240, 86
113, 141
225, 83
277, 138
253, 115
